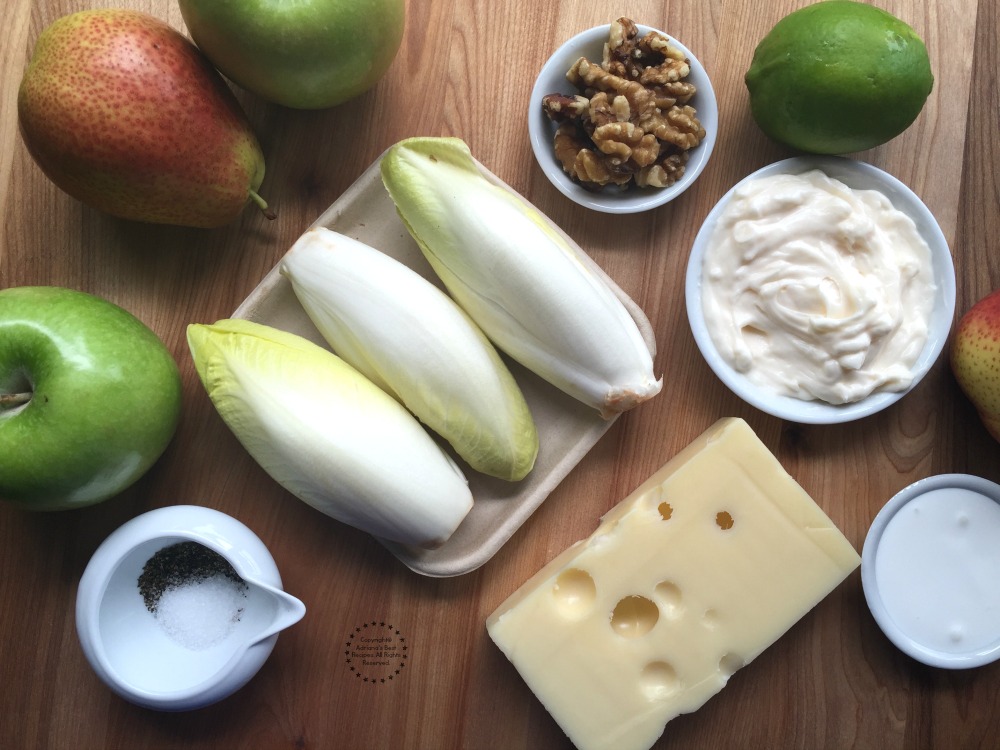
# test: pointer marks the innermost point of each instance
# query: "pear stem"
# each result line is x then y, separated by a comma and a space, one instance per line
268, 213
13, 400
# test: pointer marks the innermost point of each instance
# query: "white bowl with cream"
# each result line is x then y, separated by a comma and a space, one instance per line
847, 367
930, 567
541, 130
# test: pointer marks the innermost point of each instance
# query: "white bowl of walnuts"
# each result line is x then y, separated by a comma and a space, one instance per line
623, 118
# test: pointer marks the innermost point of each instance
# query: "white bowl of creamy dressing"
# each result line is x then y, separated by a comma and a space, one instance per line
929, 571
820, 289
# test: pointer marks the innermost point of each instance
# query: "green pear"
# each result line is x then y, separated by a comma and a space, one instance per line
975, 359
126, 115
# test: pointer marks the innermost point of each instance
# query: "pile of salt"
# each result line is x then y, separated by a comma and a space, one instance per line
200, 614
194, 593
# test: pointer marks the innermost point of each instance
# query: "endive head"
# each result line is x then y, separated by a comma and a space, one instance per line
417, 344
527, 285
327, 434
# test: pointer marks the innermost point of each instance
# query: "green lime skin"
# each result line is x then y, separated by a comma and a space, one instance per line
838, 76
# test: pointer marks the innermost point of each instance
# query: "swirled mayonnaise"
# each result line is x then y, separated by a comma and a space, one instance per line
816, 290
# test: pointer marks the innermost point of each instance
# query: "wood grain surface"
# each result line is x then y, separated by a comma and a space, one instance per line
466, 68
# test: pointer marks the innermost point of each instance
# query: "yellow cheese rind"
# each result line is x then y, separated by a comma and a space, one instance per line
701, 568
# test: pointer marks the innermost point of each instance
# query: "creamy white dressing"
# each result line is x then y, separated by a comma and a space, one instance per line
815, 290
938, 570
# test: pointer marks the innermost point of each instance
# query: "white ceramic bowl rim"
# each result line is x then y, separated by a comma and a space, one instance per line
858, 175
897, 636
541, 129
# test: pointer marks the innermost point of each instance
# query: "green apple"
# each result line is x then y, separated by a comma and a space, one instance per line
89, 398
306, 54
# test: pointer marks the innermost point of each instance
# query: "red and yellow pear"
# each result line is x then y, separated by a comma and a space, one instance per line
975, 359
125, 114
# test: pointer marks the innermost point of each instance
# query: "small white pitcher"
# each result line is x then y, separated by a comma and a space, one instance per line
129, 649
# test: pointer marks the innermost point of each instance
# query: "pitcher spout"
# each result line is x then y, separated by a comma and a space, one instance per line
283, 609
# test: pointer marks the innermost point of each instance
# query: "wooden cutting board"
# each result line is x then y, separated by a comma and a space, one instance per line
466, 69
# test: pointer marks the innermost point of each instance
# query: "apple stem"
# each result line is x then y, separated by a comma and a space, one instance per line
13, 400
268, 212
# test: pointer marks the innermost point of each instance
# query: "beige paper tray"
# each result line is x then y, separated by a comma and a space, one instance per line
566, 428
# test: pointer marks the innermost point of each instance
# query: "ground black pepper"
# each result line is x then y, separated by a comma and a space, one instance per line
179, 564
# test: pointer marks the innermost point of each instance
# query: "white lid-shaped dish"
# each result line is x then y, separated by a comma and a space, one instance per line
930, 568
134, 655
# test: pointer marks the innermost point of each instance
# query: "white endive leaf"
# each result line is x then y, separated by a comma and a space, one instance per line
410, 338
328, 435
518, 276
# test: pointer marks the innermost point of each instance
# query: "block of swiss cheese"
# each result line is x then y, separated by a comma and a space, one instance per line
701, 568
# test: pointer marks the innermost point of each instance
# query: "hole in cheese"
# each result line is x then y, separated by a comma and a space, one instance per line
574, 592
658, 680
710, 619
665, 510
729, 663
634, 616
724, 520
669, 595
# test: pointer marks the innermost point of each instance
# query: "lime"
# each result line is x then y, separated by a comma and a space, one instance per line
838, 76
